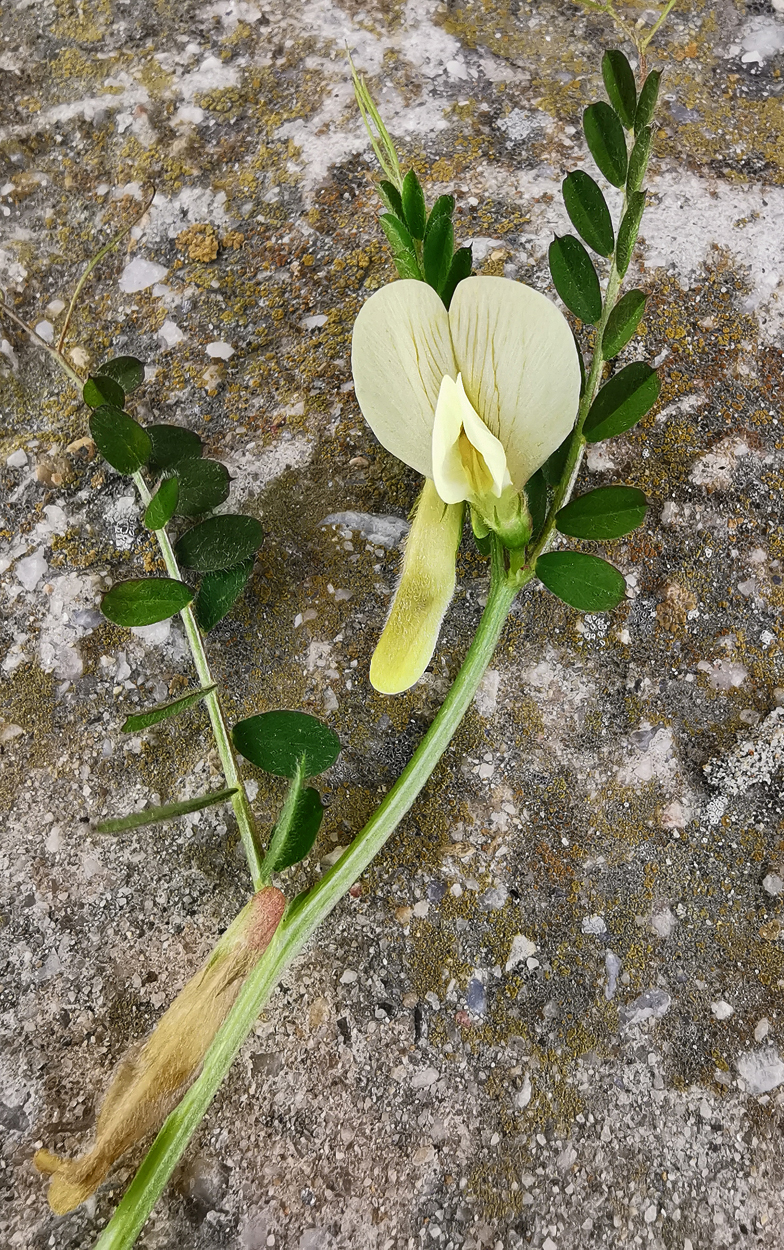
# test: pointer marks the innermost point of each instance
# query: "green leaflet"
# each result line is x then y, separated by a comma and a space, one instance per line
218, 593
603, 514
459, 269
169, 811
126, 371
623, 322
162, 506
278, 742
402, 245
145, 600
628, 231
622, 401
620, 85
584, 582
143, 720
220, 542
297, 826
552, 469
171, 444
439, 246
646, 105
203, 485
120, 440
99, 390
606, 141
575, 279
414, 210
588, 212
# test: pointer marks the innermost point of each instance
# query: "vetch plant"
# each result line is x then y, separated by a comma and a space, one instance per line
479, 384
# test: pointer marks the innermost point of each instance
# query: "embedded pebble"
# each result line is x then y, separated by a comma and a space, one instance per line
219, 350
722, 1010
762, 1070
612, 966
45, 331
522, 948
476, 997
139, 274
593, 925
170, 334
650, 1005
31, 569
425, 1078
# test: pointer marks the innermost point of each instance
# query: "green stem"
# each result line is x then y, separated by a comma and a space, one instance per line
661, 20
104, 251
39, 342
563, 491
239, 801
303, 917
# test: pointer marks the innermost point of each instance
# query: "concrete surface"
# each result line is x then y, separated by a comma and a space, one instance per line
553, 1014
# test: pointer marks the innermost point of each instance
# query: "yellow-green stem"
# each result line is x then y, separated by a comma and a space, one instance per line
239, 801
302, 918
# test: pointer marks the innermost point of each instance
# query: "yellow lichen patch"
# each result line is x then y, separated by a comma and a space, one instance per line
154, 77
72, 65
83, 20
199, 241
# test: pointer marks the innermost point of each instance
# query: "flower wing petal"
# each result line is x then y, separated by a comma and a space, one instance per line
427, 583
519, 365
400, 351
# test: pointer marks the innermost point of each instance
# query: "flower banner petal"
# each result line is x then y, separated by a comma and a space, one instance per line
519, 365
400, 351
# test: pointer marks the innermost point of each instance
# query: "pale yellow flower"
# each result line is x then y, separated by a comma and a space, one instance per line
476, 399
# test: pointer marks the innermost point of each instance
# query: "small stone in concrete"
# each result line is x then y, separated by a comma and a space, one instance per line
722, 1010
651, 1004
31, 569
170, 334
425, 1078
762, 1070
219, 350
154, 635
762, 1029
476, 997
522, 948
523, 1095
45, 331
663, 922
612, 966
139, 274
594, 925
17, 459
773, 884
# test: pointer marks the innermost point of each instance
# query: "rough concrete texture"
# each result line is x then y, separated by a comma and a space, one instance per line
552, 1014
